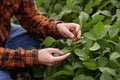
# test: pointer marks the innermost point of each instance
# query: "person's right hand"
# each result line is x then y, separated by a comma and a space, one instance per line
45, 56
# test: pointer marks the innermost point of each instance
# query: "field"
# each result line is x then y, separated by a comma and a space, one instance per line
96, 56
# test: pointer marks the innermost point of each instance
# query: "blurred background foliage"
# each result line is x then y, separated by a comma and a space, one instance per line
96, 56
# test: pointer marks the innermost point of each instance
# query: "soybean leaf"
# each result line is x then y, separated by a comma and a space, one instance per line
65, 49
98, 28
118, 14
117, 24
80, 52
60, 73
80, 77
102, 34
109, 70
95, 47
69, 42
85, 58
88, 7
114, 58
58, 7
107, 21
48, 41
89, 78
113, 31
83, 77
105, 76
70, 3
97, 2
104, 12
83, 16
39, 2
68, 68
90, 35
102, 62
114, 55
92, 65
77, 65
97, 18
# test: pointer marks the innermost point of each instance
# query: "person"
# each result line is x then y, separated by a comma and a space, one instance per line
15, 40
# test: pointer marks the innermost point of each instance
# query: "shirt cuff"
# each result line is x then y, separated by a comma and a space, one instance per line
30, 57
56, 33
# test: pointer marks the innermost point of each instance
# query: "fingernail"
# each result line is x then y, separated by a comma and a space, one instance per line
72, 36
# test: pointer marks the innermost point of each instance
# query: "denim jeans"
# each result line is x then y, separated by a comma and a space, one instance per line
18, 38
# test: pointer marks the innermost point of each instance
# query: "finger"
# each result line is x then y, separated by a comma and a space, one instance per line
79, 34
75, 29
54, 50
60, 58
68, 34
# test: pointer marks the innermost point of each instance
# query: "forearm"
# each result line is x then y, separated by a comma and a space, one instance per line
17, 58
36, 24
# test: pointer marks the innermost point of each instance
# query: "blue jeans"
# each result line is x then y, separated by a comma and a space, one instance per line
18, 38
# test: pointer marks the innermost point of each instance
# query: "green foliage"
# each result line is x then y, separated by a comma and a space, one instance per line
96, 56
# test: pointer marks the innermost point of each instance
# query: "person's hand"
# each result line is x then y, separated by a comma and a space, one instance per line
45, 56
69, 30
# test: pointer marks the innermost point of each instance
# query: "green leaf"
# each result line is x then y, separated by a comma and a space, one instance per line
39, 2
97, 2
105, 76
64, 11
117, 24
108, 70
60, 73
117, 48
113, 31
70, 3
57, 7
83, 77
77, 65
104, 12
90, 35
98, 28
114, 57
68, 68
76, 9
92, 65
88, 7
89, 78
80, 77
85, 58
97, 18
103, 33
65, 49
107, 21
48, 41
95, 47
83, 16
69, 42
118, 13
53, 16
80, 52
102, 62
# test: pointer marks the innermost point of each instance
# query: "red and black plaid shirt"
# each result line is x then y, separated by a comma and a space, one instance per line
31, 19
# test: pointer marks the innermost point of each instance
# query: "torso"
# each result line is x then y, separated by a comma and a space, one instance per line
7, 9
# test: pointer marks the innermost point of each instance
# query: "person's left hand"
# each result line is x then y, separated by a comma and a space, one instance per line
69, 30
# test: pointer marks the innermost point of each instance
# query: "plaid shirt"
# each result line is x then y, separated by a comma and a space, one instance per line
34, 22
